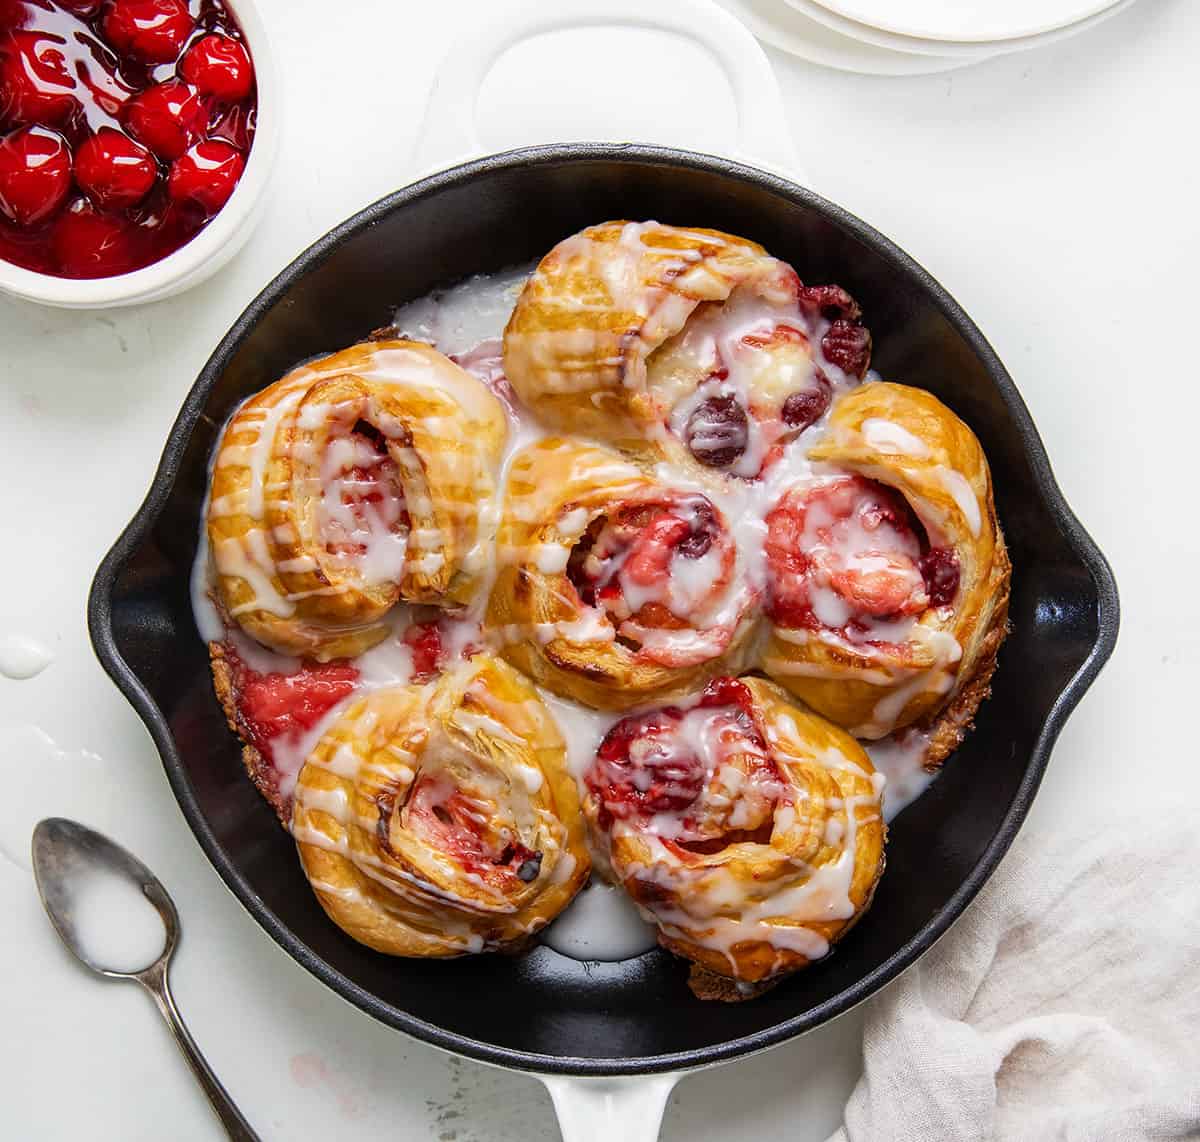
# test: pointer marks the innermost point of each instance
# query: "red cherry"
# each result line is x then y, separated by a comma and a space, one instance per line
167, 118
207, 174
13, 14
150, 31
35, 174
84, 9
89, 244
113, 170
36, 84
848, 345
235, 126
219, 66
808, 405
831, 301
718, 431
940, 570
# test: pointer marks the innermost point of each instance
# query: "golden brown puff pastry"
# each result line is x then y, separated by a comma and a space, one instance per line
748, 829
695, 343
351, 484
888, 579
613, 588
441, 820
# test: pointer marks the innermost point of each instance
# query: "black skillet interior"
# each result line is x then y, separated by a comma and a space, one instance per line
543, 1011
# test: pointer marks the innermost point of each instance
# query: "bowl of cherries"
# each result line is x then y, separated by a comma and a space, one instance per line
136, 137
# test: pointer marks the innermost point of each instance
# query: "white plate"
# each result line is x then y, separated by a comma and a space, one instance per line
967, 21
792, 31
946, 49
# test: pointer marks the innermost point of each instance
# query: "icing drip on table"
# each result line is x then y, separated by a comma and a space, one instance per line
21, 657
467, 322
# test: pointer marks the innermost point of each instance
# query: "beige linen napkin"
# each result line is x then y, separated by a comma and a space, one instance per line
1065, 1003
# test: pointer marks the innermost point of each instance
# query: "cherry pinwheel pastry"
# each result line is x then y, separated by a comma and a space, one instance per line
352, 484
691, 344
614, 588
438, 821
746, 828
888, 578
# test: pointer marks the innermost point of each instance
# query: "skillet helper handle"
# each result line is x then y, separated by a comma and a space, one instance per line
450, 133
610, 1109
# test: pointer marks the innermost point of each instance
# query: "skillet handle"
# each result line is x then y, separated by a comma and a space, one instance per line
450, 133
610, 1109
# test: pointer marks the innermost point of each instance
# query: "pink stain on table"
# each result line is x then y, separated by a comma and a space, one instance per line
311, 1072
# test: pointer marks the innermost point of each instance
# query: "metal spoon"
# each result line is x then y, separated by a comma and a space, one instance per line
65, 854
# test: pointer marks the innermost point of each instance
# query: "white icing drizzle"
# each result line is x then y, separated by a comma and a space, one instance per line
757, 349
364, 481
887, 436
256, 454
964, 497
901, 760
939, 677
846, 545
745, 504
582, 729
389, 663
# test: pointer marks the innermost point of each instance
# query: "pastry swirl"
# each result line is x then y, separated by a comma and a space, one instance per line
441, 820
693, 344
613, 587
888, 580
746, 828
351, 484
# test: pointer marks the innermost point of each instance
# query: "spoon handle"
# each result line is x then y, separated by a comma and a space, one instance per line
155, 982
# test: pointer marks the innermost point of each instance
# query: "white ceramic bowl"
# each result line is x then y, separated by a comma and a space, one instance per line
213, 246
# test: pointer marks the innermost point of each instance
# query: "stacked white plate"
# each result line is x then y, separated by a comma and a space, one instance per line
913, 37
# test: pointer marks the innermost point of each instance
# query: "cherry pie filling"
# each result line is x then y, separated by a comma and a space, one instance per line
450, 821
424, 640
851, 556
362, 519
728, 430
124, 128
652, 567
276, 708
763, 383
700, 778
846, 342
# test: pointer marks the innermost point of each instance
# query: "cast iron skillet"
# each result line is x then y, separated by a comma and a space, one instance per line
542, 1011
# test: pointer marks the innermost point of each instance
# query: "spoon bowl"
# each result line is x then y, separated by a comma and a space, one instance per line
67, 857
70, 863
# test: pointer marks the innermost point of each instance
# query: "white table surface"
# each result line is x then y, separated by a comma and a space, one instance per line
1053, 193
